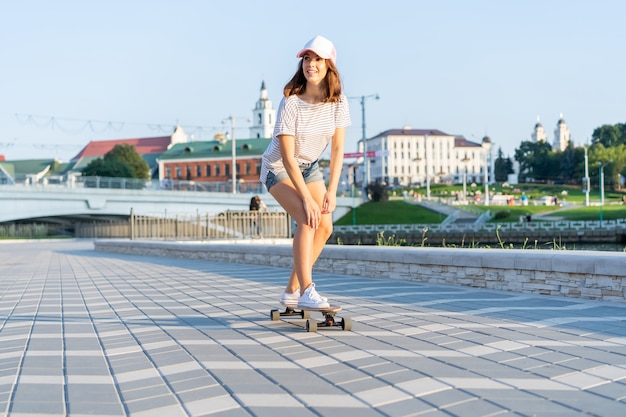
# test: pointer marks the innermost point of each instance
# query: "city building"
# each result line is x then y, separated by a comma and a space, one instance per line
562, 134
29, 171
263, 116
408, 157
539, 134
149, 149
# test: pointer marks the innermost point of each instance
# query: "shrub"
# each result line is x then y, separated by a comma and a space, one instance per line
502, 214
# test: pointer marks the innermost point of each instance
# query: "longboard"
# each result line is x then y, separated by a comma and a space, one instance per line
312, 324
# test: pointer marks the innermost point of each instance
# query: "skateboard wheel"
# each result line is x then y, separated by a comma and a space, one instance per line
311, 325
275, 315
306, 314
346, 324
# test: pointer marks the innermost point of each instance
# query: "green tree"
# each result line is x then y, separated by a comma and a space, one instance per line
378, 191
613, 161
502, 167
536, 161
572, 164
121, 161
609, 135
107, 168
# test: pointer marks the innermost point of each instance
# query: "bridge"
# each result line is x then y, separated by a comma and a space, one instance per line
87, 199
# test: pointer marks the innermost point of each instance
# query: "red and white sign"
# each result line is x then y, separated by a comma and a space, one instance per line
370, 154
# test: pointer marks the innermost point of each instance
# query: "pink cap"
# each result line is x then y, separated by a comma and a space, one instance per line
322, 47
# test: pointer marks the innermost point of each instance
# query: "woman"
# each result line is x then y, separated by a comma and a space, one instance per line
312, 114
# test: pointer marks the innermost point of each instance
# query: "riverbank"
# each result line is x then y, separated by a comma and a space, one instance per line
536, 235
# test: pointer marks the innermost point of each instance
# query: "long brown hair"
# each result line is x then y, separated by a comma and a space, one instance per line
331, 85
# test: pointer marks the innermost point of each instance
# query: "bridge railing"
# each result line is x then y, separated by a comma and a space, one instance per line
78, 181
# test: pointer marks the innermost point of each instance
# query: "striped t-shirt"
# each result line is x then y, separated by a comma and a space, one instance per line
312, 126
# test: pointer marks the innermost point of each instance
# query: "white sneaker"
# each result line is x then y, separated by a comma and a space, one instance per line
311, 299
290, 300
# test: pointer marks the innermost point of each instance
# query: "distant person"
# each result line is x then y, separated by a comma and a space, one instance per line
256, 204
313, 113
166, 183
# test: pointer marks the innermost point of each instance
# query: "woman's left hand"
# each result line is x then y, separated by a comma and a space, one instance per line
329, 203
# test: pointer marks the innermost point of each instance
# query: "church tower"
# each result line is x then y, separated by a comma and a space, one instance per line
263, 116
539, 135
561, 135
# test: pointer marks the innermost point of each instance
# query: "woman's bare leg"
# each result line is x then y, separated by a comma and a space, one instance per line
308, 243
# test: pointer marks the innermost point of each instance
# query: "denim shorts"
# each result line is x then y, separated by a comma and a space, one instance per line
310, 172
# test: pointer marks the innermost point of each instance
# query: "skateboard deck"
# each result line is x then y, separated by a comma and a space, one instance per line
332, 308
311, 324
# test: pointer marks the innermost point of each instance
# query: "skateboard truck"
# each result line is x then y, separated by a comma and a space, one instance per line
312, 324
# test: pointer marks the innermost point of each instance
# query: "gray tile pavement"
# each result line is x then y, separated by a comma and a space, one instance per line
99, 334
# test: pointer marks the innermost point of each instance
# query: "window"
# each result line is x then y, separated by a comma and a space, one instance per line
198, 170
217, 171
248, 168
208, 170
168, 172
178, 173
227, 169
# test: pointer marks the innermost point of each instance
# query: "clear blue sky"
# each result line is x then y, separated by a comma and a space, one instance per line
472, 68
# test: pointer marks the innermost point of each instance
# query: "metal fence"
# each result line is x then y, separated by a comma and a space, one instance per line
226, 225
556, 225
28, 231
229, 224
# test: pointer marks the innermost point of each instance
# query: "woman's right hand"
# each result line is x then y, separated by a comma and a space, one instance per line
313, 212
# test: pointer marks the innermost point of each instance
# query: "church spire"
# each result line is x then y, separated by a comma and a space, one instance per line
263, 116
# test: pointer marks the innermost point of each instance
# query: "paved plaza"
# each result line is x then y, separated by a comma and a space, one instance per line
100, 334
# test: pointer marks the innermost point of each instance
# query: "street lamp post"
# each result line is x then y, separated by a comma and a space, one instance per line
233, 151
586, 179
601, 190
487, 158
425, 165
427, 168
366, 165
465, 161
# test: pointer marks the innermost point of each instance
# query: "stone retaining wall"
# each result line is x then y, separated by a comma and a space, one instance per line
585, 274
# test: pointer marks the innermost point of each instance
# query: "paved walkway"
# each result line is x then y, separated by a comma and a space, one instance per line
92, 333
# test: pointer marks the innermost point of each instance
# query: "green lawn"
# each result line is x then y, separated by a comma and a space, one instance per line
515, 211
569, 193
612, 212
400, 212
390, 212
593, 213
